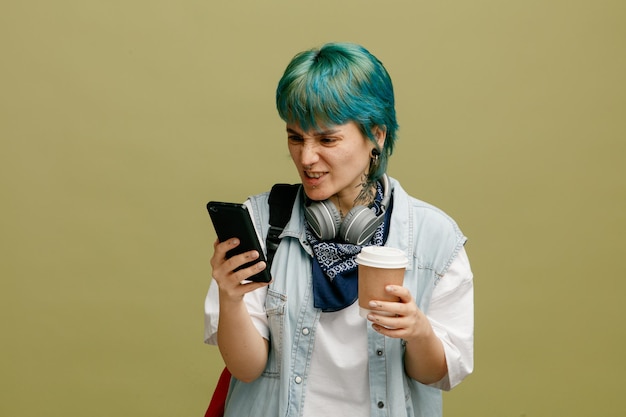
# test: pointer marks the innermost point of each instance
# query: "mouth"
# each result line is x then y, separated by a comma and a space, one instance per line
313, 178
314, 175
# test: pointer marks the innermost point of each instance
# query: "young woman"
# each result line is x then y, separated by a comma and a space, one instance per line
298, 346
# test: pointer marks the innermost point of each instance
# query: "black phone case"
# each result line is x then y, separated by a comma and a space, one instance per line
233, 220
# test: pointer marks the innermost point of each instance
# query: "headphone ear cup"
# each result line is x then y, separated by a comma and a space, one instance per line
323, 218
359, 225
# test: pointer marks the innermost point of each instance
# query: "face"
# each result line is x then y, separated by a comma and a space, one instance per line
332, 162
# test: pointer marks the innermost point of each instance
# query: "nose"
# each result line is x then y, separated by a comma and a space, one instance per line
308, 155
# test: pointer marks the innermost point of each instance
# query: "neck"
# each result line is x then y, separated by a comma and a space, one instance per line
366, 195
364, 198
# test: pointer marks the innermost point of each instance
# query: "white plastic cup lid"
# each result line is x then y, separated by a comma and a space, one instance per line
382, 257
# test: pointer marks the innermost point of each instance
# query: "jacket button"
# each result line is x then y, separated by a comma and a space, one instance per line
305, 331
381, 404
298, 380
379, 352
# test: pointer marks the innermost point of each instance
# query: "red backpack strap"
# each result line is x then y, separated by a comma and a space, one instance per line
218, 401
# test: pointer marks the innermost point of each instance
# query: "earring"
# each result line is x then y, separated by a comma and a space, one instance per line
375, 155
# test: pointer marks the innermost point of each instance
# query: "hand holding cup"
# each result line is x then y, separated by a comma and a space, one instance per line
379, 266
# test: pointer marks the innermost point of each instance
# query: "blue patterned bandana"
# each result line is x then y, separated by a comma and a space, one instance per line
334, 266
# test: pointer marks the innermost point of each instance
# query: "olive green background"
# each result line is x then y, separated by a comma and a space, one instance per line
120, 119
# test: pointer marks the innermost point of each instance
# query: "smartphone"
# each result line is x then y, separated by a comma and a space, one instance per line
233, 220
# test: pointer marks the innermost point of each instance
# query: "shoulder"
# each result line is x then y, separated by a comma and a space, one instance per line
277, 206
260, 199
258, 209
424, 216
431, 235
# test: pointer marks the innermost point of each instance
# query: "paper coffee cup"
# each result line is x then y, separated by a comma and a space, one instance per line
379, 266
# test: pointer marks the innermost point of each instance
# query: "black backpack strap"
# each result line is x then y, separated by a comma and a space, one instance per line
281, 202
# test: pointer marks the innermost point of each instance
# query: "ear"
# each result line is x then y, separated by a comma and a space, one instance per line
380, 133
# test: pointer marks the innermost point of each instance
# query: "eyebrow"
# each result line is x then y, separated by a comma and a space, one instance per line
320, 133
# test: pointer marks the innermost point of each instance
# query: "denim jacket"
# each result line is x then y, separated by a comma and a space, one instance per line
431, 241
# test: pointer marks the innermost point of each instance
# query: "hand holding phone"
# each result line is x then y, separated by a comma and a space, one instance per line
233, 220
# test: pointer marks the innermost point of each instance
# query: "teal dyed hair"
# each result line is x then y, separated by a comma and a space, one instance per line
336, 84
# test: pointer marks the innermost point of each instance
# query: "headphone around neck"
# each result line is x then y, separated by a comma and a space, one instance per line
357, 227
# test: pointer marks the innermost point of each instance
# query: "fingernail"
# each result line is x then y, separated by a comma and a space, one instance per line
373, 304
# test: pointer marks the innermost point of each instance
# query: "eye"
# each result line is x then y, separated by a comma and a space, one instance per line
294, 139
328, 141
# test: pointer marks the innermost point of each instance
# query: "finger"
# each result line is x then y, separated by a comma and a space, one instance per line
219, 254
390, 331
385, 323
222, 247
399, 291
249, 286
239, 260
248, 272
407, 311
236, 283
239, 290
388, 308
